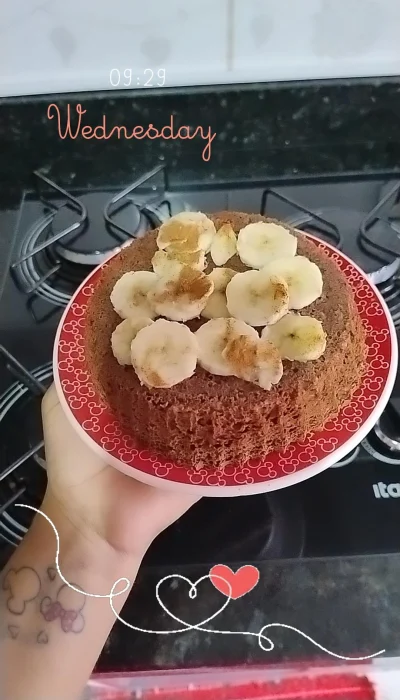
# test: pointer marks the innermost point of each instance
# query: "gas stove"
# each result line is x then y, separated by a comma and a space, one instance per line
349, 509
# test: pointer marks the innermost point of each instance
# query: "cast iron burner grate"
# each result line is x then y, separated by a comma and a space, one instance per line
75, 234
22, 473
390, 291
371, 239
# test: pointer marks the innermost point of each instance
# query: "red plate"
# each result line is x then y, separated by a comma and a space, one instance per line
103, 432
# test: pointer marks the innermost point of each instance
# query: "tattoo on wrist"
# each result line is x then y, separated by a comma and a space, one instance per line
51, 573
67, 607
64, 607
42, 638
13, 631
23, 586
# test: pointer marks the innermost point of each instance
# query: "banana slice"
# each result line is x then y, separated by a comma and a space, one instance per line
269, 362
221, 276
123, 335
129, 296
195, 259
214, 336
302, 276
166, 262
259, 243
189, 231
254, 360
183, 295
164, 354
257, 297
216, 303
216, 306
223, 246
297, 337
240, 354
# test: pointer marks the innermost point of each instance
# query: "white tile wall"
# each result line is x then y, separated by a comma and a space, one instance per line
316, 38
52, 45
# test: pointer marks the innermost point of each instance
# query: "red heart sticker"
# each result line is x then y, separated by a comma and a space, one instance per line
242, 581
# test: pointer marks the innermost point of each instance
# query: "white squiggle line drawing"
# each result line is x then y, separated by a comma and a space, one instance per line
192, 594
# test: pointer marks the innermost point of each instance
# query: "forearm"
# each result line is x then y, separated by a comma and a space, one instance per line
50, 635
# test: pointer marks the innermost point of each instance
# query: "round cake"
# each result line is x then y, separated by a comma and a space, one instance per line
213, 421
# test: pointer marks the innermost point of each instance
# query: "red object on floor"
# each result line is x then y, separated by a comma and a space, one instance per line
328, 687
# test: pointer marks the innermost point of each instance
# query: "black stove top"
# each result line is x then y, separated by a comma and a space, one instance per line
351, 508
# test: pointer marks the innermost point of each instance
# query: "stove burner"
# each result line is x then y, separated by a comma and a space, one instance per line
347, 460
93, 245
312, 221
384, 244
391, 294
131, 219
41, 273
130, 215
387, 428
21, 449
383, 442
376, 449
371, 240
75, 235
348, 222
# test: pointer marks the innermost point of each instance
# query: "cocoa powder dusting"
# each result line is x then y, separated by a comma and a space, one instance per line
153, 379
267, 351
193, 284
281, 293
241, 354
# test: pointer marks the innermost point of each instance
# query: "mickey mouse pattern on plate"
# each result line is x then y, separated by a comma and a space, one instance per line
96, 421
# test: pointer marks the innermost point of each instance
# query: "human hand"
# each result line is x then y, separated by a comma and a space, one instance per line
99, 500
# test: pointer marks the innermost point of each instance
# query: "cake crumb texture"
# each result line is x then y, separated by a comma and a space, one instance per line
212, 421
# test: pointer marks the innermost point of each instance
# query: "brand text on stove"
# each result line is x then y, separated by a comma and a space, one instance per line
382, 490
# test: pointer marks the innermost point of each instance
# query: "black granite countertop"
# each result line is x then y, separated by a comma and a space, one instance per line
350, 606
261, 131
